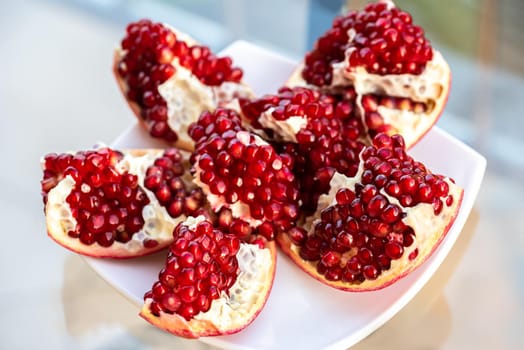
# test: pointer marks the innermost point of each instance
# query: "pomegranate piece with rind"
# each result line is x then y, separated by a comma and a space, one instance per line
401, 82
169, 79
212, 283
101, 202
377, 226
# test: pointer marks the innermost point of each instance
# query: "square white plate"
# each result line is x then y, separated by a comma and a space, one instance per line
301, 312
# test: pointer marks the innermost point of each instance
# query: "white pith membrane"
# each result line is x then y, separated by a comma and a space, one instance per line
239, 209
158, 224
284, 130
429, 230
431, 87
235, 308
187, 97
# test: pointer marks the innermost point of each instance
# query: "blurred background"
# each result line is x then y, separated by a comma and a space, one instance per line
57, 93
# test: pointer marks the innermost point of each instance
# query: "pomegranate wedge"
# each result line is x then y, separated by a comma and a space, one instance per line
107, 203
168, 79
399, 82
212, 283
377, 226
238, 170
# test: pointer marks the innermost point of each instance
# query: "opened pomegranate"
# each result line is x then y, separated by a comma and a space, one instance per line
212, 283
108, 203
319, 132
240, 171
169, 79
377, 226
401, 82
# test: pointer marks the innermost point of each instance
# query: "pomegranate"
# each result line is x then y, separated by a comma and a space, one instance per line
401, 82
168, 79
376, 226
319, 132
212, 282
240, 171
108, 203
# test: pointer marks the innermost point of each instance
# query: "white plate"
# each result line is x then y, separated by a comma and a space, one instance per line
301, 312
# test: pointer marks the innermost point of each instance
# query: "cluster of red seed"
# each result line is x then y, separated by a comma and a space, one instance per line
287, 103
330, 139
208, 68
359, 236
165, 179
252, 174
243, 230
218, 122
149, 49
201, 263
384, 41
372, 118
388, 166
107, 205
236, 169
214, 123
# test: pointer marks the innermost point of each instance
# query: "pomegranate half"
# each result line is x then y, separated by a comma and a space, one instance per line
400, 82
108, 203
168, 79
212, 283
376, 226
